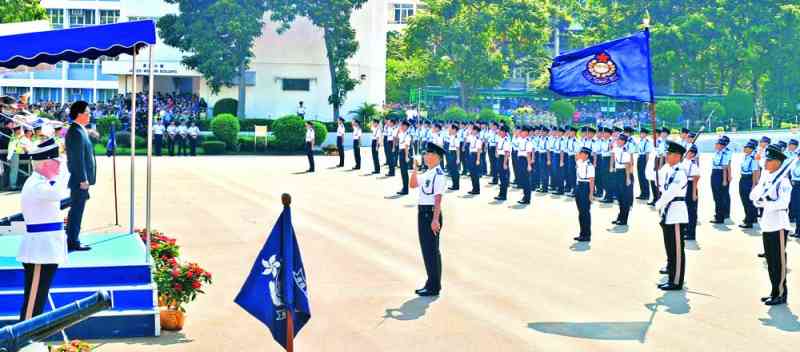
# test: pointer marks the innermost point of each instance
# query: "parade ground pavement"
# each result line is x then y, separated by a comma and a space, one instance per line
513, 280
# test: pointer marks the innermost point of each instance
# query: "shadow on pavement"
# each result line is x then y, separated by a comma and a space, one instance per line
412, 309
580, 247
781, 318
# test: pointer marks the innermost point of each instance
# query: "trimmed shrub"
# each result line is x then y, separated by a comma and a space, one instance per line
226, 128
320, 132
213, 147
289, 132
668, 111
124, 140
104, 124
563, 109
455, 114
203, 124
488, 115
226, 106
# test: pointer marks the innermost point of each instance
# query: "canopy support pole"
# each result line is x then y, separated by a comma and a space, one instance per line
149, 148
133, 139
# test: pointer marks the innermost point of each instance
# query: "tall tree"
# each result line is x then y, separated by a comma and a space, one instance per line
21, 11
218, 37
333, 16
474, 44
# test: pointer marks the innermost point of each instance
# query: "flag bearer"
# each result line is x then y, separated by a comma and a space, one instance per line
672, 208
773, 194
749, 176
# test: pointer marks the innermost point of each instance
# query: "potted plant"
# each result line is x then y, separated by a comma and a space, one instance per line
179, 284
165, 253
73, 346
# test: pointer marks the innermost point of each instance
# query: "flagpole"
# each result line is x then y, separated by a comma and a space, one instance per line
114, 167
286, 199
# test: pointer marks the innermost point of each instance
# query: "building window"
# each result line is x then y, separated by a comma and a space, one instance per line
106, 95
109, 16
43, 95
294, 84
402, 12
81, 18
15, 92
56, 17
75, 94
141, 18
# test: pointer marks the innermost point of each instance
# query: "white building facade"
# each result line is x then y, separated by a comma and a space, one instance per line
286, 68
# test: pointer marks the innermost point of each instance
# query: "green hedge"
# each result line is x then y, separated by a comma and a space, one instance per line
320, 132
104, 124
289, 132
213, 147
246, 143
226, 106
124, 140
226, 128
248, 125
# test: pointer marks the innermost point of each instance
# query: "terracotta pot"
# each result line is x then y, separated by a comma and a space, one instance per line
172, 320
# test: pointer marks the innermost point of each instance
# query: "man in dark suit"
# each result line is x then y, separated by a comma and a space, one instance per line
81, 165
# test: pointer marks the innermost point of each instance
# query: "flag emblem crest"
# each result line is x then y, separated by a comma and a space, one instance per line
601, 70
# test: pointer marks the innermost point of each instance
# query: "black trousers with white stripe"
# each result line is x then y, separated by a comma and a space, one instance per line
775, 252
38, 279
676, 255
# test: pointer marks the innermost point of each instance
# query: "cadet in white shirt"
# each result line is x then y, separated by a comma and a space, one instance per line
584, 193
524, 164
474, 160
623, 182
356, 144
429, 217
44, 246
674, 216
340, 141
182, 139
310, 145
503, 156
645, 147
377, 132
158, 136
404, 146
194, 134
453, 157
692, 168
773, 194
172, 136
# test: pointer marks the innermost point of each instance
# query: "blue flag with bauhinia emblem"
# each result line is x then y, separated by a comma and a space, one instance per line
277, 284
619, 69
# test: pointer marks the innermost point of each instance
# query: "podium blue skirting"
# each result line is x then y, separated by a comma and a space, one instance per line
116, 263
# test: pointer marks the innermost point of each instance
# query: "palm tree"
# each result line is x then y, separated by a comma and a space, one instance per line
365, 112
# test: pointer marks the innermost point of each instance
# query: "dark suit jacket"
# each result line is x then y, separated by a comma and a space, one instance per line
80, 156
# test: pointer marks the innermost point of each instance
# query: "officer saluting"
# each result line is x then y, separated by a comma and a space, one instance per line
671, 205
773, 193
44, 247
429, 217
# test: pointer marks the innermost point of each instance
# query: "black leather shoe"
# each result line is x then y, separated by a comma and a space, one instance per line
473, 193
774, 301
764, 299
376, 173
652, 204
79, 248
401, 193
581, 239
715, 221
746, 226
500, 198
524, 202
663, 271
615, 222
492, 183
670, 287
427, 293
762, 255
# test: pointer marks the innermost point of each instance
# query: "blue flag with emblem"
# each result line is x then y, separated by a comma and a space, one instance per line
619, 69
276, 285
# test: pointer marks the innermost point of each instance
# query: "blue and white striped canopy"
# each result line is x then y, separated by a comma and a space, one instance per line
73, 44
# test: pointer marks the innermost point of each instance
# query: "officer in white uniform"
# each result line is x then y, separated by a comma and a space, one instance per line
44, 246
356, 144
671, 205
404, 141
194, 134
584, 192
429, 217
310, 145
377, 132
340, 141
623, 179
158, 136
172, 135
773, 193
